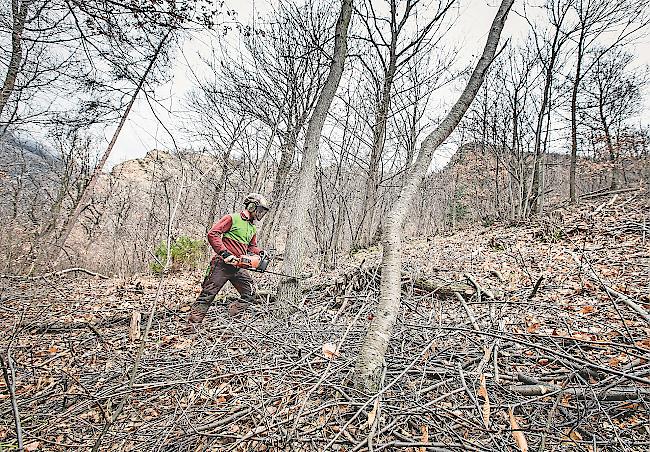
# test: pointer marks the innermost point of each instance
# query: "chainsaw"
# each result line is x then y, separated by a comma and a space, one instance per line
257, 263
253, 262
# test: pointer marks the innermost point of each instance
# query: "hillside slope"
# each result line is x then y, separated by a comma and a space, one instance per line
551, 348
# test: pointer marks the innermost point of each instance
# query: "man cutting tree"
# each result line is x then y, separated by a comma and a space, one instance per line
232, 237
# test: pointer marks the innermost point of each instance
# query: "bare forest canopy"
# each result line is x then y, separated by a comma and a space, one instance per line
466, 231
76, 65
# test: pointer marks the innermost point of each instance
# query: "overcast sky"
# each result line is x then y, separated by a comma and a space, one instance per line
142, 132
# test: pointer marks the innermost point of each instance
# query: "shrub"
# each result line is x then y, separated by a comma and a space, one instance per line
186, 253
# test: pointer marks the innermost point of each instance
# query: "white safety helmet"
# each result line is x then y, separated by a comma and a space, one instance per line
257, 205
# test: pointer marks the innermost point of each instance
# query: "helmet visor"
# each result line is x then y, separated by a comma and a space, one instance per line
260, 212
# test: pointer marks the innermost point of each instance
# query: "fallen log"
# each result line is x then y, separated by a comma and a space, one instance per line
439, 286
428, 284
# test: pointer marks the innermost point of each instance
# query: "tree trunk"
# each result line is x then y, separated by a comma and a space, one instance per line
613, 157
74, 216
537, 191
289, 292
574, 121
258, 184
219, 186
378, 138
278, 192
19, 13
371, 356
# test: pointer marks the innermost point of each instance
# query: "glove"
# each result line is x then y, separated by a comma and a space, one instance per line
228, 257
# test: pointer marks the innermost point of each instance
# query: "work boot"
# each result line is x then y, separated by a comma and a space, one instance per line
194, 320
237, 307
198, 311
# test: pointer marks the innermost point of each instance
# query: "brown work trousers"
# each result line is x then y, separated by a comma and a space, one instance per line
218, 274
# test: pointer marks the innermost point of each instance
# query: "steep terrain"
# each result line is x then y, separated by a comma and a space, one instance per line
552, 349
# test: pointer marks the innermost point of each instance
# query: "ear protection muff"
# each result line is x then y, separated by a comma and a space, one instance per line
251, 206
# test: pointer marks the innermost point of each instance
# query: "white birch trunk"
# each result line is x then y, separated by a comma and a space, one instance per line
371, 356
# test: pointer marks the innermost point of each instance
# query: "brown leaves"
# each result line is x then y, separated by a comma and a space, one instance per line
329, 350
618, 360
587, 309
373, 413
425, 436
645, 343
533, 327
571, 437
482, 392
517, 434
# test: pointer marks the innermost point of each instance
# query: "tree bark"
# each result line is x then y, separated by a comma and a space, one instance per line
278, 192
574, 120
289, 293
19, 13
537, 191
613, 155
371, 356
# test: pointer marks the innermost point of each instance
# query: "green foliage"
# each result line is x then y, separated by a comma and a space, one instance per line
550, 232
488, 221
185, 253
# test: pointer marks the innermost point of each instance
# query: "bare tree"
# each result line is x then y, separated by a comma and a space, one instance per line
289, 291
613, 97
81, 204
70, 59
549, 53
371, 356
386, 39
275, 80
595, 18
19, 15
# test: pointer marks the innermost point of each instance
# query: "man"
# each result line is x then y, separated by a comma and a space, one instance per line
231, 237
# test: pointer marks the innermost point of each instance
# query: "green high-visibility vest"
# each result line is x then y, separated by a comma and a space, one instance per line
241, 231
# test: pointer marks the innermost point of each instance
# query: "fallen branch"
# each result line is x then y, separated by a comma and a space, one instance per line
469, 312
59, 273
600, 193
536, 288
629, 302
591, 273
623, 393
443, 288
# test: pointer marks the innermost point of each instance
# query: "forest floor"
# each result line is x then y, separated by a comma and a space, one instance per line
553, 350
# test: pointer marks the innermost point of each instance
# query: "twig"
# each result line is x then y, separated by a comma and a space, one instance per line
536, 288
468, 311
614, 394
11, 388
134, 370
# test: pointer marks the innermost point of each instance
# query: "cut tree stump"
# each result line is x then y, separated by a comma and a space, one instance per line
134, 327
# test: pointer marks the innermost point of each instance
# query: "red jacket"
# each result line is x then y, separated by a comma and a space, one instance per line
220, 243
